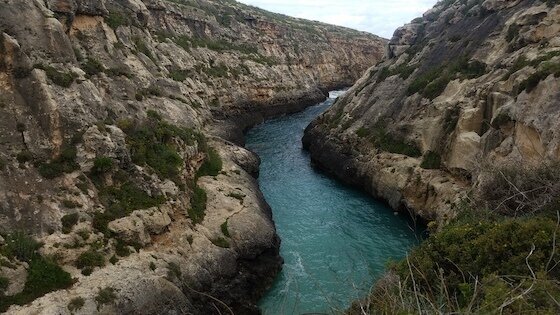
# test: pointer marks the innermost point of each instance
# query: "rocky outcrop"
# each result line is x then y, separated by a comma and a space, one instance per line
115, 125
469, 85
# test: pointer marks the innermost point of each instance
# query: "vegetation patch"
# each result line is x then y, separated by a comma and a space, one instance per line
174, 270
477, 267
105, 296
101, 165
143, 48
20, 245
545, 70
431, 161
90, 258
116, 19
43, 276
153, 143
4, 283
198, 205
64, 163
403, 70
92, 67
212, 164
432, 83
387, 142
120, 201
221, 242
24, 156
60, 78
178, 75
68, 222
76, 304
224, 228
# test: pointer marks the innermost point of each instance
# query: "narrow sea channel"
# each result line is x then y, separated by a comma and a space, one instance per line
336, 241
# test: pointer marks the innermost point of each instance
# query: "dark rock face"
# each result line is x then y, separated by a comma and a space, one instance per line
108, 111
469, 85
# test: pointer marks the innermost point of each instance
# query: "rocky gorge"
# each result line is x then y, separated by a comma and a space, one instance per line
420, 129
458, 127
123, 188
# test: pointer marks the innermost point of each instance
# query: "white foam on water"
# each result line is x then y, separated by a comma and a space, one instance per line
335, 94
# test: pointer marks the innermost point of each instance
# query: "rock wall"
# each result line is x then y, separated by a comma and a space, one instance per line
113, 118
470, 85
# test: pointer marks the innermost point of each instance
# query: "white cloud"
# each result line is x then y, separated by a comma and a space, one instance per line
380, 17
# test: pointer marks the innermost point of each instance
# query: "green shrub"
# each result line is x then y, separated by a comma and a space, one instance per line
4, 283
363, 132
120, 201
152, 266
546, 69
142, 47
76, 304
385, 141
21, 246
105, 296
90, 258
24, 156
224, 228
116, 19
432, 83
68, 222
474, 267
102, 165
70, 204
178, 75
431, 160
198, 205
152, 143
64, 163
43, 276
221, 242
84, 234
212, 164
3, 164
63, 79
92, 67
174, 270
513, 32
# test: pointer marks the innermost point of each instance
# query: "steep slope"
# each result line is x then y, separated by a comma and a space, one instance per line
115, 126
469, 87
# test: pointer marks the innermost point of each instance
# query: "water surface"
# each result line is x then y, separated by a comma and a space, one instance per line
335, 240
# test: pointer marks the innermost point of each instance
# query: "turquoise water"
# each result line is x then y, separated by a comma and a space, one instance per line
335, 240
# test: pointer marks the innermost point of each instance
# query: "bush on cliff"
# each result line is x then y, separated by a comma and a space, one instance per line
43, 275
154, 143
497, 266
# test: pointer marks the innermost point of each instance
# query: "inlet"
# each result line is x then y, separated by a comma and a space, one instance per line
336, 241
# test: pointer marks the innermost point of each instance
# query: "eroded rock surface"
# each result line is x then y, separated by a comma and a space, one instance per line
114, 117
469, 85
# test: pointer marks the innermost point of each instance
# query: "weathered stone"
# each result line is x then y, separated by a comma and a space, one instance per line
469, 123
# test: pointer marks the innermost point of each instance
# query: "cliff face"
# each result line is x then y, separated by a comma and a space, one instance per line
469, 86
115, 118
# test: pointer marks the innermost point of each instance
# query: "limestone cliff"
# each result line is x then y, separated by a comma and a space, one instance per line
115, 126
470, 85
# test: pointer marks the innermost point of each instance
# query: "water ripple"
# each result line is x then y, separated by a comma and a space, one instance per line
335, 240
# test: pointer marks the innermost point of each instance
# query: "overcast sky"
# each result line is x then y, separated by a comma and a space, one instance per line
380, 17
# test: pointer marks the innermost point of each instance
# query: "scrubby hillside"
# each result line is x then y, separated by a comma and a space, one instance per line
460, 127
118, 182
